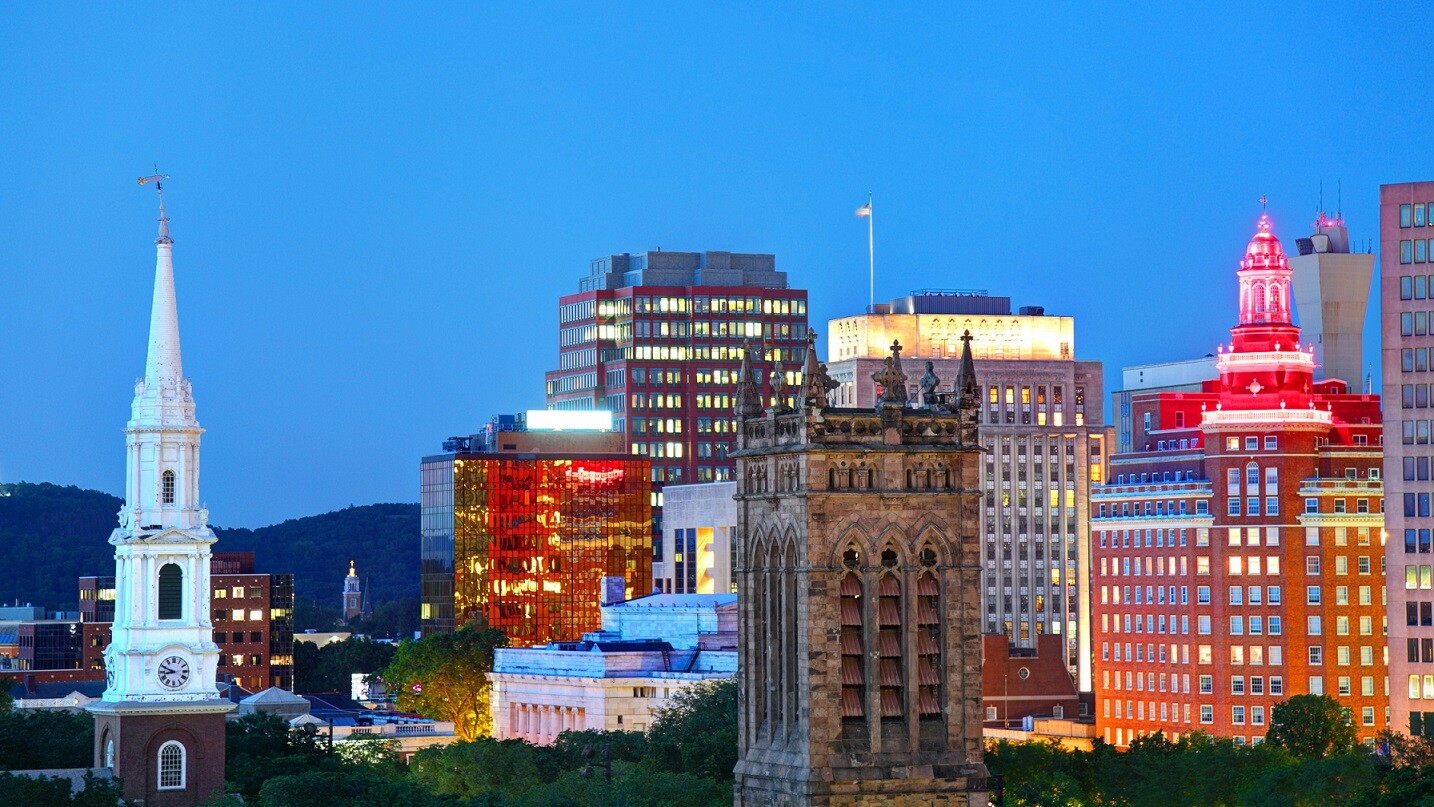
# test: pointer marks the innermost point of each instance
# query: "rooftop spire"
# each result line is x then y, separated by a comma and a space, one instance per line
163, 360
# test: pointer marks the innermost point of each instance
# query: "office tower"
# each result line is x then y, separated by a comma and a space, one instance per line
1406, 282
656, 338
1172, 376
1238, 546
858, 617
1331, 286
1043, 429
532, 538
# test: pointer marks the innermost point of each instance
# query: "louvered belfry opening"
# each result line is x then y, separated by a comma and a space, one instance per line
171, 590
853, 678
928, 638
890, 641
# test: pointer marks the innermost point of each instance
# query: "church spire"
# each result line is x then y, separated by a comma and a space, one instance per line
163, 361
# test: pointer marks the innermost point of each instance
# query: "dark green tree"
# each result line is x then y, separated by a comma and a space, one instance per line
444, 676
261, 746
34, 739
1311, 727
697, 733
482, 766
330, 667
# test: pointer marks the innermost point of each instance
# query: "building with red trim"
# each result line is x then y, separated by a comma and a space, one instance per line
1239, 546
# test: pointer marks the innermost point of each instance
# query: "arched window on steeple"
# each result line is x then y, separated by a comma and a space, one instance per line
171, 766
171, 584
166, 487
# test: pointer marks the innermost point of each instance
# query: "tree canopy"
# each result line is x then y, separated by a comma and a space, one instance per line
1312, 727
444, 676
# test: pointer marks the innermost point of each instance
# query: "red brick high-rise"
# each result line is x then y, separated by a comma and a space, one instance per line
656, 338
1238, 546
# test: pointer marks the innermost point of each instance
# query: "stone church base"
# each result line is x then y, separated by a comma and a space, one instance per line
907, 787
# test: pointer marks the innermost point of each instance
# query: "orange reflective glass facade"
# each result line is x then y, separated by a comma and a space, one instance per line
523, 543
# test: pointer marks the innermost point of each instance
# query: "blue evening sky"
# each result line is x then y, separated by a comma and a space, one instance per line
375, 210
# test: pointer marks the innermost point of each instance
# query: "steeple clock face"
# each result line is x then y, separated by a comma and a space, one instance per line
173, 672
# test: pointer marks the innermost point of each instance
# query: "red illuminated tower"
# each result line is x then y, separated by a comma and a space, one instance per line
1237, 546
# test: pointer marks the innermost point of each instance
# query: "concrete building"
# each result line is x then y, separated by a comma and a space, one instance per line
859, 572
1042, 427
1331, 287
1406, 282
1238, 546
618, 678
529, 533
655, 339
1189, 375
695, 552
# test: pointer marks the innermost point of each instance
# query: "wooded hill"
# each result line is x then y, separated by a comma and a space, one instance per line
53, 534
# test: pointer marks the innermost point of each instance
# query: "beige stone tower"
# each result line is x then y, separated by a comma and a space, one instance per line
858, 569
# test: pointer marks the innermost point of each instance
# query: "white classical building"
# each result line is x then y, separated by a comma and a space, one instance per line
618, 678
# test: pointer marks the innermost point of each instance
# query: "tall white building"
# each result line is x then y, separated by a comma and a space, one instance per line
160, 723
1042, 426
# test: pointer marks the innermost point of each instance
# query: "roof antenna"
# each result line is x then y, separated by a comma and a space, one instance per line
1339, 200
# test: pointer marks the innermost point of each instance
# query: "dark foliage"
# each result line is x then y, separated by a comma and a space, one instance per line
45, 738
57, 533
53, 792
697, 734
52, 535
383, 538
329, 668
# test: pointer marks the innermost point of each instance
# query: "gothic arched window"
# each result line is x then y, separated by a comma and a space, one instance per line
109, 753
928, 638
166, 487
171, 766
853, 677
171, 584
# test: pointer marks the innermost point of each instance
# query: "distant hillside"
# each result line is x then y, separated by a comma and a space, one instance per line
53, 534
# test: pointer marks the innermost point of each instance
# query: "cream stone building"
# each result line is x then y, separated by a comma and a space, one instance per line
1042, 428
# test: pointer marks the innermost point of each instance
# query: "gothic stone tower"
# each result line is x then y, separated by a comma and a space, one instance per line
858, 561
160, 724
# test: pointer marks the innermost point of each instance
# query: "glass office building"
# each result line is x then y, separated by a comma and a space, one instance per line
532, 543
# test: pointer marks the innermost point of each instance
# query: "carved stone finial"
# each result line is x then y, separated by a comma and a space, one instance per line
892, 379
781, 390
928, 384
749, 403
815, 381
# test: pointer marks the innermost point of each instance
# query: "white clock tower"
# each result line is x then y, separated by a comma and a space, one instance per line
160, 724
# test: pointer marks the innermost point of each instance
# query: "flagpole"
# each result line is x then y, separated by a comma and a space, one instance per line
870, 255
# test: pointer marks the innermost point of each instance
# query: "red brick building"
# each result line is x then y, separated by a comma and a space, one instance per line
1239, 547
1020, 682
656, 338
252, 615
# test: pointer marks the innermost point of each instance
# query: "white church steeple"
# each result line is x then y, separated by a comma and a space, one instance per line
162, 467
159, 727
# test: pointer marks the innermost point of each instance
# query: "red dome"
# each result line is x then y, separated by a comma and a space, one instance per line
1264, 250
